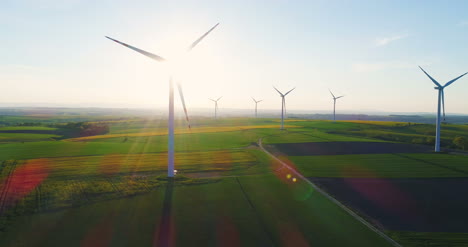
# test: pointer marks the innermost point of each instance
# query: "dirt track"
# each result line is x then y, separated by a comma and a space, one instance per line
340, 148
426, 205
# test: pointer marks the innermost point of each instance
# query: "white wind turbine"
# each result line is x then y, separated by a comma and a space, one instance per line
440, 103
283, 105
170, 144
256, 102
216, 106
334, 103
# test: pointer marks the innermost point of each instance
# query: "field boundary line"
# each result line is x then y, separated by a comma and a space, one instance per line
259, 219
331, 198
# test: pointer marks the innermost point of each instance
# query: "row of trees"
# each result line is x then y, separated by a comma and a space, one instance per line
460, 142
87, 129
78, 129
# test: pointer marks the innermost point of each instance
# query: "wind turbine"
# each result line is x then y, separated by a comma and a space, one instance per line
170, 144
256, 102
334, 103
440, 102
216, 105
283, 105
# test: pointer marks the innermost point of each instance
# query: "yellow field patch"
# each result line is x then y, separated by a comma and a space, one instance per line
117, 121
291, 120
381, 123
179, 131
113, 164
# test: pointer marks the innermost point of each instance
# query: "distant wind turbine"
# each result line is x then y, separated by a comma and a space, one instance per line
283, 105
216, 106
256, 102
440, 102
170, 144
334, 104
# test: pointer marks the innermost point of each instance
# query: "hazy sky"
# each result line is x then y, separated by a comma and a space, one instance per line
54, 51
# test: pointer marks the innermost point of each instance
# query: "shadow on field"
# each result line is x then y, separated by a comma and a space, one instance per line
165, 235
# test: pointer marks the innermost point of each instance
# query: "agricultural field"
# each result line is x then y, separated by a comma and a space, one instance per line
401, 187
104, 182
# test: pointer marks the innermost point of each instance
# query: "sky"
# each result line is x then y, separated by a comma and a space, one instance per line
53, 52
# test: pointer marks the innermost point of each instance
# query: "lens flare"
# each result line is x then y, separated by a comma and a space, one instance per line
23, 180
382, 193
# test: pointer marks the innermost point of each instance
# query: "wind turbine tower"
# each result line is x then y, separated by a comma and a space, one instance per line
216, 106
334, 104
283, 105
170, 144
440, 103
256, 102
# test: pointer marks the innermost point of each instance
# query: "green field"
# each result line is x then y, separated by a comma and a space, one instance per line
23, 137
113, 190
19, 128
436, 239
383, 165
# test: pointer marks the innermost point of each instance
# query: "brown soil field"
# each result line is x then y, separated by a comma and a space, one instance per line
404, 204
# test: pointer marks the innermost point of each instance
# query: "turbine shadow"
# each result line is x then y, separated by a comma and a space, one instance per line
165, 236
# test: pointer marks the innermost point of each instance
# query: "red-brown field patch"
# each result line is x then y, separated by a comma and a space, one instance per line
404, 204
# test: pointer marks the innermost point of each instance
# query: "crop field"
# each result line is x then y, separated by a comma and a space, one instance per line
111, 189
26, 128
177, 131
382, 165
401, 187
405, 132
24, 137
347, 147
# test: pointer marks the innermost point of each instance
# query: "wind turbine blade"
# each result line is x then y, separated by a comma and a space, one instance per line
259, 101
179, 87
289, 91
278, 91
339, 97
219, 98
148, 54
452, 81
254, 100
432, 79
443, 104
212, 100
331, 93
201, 38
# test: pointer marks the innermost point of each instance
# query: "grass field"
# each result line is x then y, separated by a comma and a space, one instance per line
403, 132
383, 165
19, 128
111, 189
23, 137
178, 131
436, 239
253, 211
297, 135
